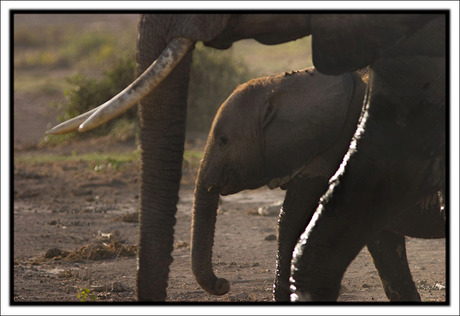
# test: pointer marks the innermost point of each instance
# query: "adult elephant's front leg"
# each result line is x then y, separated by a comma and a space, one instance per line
358, 205
353, 211
162, 121
301, 199
339, 229
388, 251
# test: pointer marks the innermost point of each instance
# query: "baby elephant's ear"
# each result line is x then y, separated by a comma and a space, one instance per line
303, 118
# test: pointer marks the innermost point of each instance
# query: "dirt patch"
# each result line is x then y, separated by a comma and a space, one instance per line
75, 228
95, 251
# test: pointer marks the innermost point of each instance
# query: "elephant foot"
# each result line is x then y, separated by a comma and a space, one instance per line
314, 294
281, 292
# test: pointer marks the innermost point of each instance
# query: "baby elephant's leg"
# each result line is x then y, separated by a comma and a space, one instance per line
301, 199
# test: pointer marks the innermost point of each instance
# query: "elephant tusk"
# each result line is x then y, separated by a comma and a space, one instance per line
71, 125
131, 95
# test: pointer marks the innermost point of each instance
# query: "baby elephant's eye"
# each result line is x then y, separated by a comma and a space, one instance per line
223, 140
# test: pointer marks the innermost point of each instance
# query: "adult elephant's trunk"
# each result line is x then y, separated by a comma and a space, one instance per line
203, 226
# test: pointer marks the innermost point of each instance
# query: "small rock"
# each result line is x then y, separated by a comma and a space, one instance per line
114, 235
53, 252
439, 286
365, 286
270, 210
53, 222
118, 287
270, 237
65, 274
181, 244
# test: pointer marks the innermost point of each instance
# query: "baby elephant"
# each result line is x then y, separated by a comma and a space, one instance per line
290, 131
267, 132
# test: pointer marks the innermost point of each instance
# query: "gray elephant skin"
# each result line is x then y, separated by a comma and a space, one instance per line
292, 130
390, 43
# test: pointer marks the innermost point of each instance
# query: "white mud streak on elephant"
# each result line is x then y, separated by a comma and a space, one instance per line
75, 228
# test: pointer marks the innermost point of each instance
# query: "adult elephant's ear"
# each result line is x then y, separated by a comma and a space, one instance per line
346, 42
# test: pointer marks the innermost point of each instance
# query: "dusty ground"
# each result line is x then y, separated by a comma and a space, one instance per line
62, 213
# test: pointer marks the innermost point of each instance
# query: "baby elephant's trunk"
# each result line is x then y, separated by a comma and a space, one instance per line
203, 227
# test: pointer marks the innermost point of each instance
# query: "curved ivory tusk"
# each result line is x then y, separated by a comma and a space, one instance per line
131, 95
72, 124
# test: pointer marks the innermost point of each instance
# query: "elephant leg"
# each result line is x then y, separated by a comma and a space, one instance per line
388, 251
386, 169
359, 203
323, 253
301, 199
162, 122
368, 193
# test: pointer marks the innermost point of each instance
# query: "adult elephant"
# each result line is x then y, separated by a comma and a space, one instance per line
398, 151
289, 130
169, 39
164, 54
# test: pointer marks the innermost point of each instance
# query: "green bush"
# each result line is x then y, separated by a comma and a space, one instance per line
214, 75
86, 93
